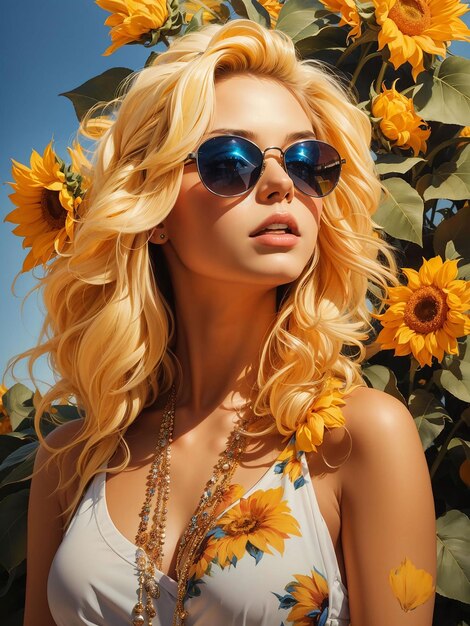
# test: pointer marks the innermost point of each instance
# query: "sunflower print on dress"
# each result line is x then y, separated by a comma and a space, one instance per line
307, 598
290, 464
253, 526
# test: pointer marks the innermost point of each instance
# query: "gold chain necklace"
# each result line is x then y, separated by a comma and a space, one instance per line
150, 544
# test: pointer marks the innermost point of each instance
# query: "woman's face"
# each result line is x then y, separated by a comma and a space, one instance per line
211, 236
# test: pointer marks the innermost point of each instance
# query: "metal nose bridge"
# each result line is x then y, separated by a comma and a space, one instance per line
263, 152
273, 148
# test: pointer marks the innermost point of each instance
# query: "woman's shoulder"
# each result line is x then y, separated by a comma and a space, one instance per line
58, 438
61, 436
381, 431
370, 412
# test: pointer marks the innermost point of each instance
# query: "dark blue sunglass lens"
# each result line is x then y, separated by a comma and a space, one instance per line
314, 167
229, 166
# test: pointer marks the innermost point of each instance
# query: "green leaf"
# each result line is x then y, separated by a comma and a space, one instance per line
457, 442
151, 58
21, 472
457, 230
454, 376
401, 213
13, 516
19, 455
445, 95
395, 163
196, 21
380, 377
101, 88
301, 18
326, 38
453, 385
9, 442
450, 181
365, 9
66, 412
252, 10
453, 556
463, 272
429, 415
18, 402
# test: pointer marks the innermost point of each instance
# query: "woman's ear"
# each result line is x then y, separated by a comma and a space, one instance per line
158, 234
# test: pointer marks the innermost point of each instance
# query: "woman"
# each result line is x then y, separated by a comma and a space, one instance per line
209, 319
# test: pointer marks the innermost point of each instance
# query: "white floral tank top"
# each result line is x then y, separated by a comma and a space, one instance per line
268, 561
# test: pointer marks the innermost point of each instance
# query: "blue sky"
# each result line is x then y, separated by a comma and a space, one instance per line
46, 48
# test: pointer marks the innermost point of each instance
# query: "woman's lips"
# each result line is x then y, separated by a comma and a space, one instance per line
280, 240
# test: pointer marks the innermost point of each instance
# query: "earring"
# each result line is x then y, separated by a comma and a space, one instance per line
162, 236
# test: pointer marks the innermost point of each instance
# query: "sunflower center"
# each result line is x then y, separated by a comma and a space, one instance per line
426, 310
411, 16
242, 526
52, 210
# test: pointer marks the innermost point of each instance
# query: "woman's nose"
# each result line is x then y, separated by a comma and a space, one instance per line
274, 180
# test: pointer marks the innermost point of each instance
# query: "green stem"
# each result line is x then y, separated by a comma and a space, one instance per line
443, 450
434, 151
380, 77
413, 368
348, 51
209, 10
406, 91
361, 64
164, 40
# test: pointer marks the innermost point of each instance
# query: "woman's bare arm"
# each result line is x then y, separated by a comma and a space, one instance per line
387, 509
45, 528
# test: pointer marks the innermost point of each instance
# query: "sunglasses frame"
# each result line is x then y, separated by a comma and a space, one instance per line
194, 156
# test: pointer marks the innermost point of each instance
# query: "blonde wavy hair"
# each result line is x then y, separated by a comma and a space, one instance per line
109, 325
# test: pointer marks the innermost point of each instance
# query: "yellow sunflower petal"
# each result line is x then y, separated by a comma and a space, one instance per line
413, 278
429, 269
410, 29
411, 586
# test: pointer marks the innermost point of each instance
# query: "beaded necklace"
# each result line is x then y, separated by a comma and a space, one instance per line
150, 544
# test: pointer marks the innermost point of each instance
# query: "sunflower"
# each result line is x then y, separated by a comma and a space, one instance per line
324, 412
132, 19
399, 121
464, 472
206, 554
411, 27
3, 391
289, 464
213, 12
465, 132
232, 494
309, 598
45, 206
5, 424
411, 586
426, 316
255, 524
80, 165
349, 15
273, 7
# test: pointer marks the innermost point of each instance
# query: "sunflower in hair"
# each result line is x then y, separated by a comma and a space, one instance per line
140, 21
46, 195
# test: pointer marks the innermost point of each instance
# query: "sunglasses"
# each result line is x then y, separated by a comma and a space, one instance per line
230, 165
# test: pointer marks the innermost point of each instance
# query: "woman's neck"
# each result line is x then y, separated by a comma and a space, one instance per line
221, 329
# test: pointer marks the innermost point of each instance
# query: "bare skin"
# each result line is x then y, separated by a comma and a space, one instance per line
377, 506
